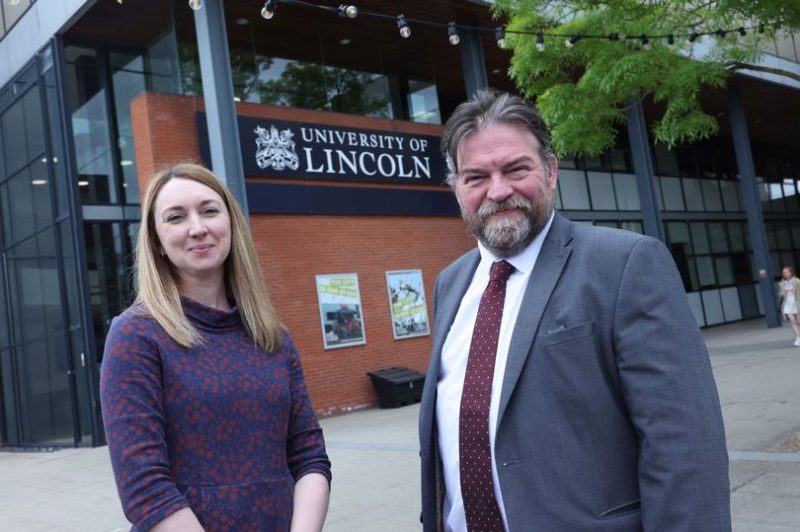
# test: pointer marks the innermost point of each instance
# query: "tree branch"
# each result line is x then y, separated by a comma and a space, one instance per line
733, 67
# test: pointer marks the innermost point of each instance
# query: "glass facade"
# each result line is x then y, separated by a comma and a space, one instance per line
786, 45
601, 190
9, 15
37, 360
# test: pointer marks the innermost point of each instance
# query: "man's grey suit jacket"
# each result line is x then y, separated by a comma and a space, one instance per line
609, 416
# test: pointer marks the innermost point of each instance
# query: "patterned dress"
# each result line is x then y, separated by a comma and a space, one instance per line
223, 428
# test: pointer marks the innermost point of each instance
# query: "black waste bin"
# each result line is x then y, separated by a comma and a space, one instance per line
397, 386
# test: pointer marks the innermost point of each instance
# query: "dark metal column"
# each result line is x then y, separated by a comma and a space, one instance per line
645, 176
215, 68
90, 358
472, 62
752, 205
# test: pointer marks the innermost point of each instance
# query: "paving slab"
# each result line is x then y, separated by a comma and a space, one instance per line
376, 464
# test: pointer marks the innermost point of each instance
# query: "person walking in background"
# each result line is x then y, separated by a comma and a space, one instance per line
566, 389
789, 286
207, 417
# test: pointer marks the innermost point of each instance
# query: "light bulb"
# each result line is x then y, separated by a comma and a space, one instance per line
348, 11
268, 11
500, 37
569, 43
15, 2
195, 4
452, 34
402, 25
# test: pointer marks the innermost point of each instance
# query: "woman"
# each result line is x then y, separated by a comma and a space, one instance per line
207, 417
789, 293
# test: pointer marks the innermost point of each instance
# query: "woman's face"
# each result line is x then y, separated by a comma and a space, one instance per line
787, 274
194, 229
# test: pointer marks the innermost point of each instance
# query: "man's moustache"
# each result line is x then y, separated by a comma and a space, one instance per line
490, 207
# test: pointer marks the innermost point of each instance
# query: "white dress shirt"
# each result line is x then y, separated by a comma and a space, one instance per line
453, 368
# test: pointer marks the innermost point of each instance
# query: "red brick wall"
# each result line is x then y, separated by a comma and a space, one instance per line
164, 132
295, 248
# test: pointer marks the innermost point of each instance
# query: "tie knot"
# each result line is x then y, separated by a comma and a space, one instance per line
501, 271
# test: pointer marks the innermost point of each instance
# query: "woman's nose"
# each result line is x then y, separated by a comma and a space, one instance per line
196, 226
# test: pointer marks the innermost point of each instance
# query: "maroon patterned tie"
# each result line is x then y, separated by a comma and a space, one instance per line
475, 458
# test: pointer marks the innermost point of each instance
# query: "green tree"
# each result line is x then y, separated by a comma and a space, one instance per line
583, 91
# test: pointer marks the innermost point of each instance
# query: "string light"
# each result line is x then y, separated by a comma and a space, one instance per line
540, 41
351, 11
268, 11
403, 27
500, 36
452, 34
348, 11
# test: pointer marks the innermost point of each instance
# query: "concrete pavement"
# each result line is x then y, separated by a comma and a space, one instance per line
376, 466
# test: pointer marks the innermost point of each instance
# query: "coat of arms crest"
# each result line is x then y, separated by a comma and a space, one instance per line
275, 149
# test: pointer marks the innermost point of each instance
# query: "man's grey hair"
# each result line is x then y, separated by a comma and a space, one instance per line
488, 107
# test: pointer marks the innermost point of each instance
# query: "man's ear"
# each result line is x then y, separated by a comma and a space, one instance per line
552, 179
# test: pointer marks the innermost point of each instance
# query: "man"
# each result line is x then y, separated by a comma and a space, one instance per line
569, 388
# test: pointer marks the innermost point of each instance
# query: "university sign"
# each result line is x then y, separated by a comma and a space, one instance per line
279, 148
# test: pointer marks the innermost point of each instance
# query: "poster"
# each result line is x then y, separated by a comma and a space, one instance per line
407, 303
340, 310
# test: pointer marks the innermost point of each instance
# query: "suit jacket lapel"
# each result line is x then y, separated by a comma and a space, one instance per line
549, 265
450, 291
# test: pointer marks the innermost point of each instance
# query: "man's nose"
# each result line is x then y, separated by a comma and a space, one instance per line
499, 189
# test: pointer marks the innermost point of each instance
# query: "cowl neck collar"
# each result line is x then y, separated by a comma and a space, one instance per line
210, 318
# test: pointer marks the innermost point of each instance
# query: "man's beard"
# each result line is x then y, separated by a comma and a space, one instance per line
506, 236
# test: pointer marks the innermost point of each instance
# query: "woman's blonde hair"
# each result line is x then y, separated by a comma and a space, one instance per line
155, 277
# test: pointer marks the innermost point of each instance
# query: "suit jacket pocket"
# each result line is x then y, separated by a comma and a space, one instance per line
573, 332
622, 509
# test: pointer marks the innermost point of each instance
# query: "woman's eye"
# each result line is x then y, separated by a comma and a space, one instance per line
174, 218
211, 211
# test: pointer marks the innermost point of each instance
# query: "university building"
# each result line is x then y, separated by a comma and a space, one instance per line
338, 122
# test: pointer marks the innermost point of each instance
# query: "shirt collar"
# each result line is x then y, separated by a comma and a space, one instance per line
523, 261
